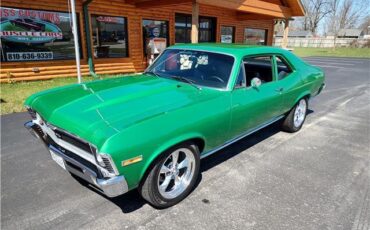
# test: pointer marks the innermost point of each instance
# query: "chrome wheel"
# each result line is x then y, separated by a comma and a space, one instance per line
300, 113
176, 173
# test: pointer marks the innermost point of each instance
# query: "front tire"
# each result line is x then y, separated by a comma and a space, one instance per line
172, 176
294, 120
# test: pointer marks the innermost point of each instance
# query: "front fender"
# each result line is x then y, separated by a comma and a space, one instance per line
168, 144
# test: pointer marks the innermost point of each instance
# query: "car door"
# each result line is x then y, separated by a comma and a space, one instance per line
289, 80
255, 106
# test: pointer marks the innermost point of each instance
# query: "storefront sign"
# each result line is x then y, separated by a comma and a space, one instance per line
108, 19
226, 39
32, 35
53, 17
27, 26
28, 56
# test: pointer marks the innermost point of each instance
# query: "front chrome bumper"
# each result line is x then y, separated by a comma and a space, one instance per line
111, 187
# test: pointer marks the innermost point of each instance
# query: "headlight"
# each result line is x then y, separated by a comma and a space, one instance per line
105, 161
99, 160
31, 112
98, 157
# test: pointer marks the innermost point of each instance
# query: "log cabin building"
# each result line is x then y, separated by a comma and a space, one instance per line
117, 36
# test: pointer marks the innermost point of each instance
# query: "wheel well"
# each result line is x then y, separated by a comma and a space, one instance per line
197, 141
308, 96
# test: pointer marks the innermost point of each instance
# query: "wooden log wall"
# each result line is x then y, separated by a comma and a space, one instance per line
136, 62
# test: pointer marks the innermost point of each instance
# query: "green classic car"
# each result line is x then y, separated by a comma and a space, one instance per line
149, 131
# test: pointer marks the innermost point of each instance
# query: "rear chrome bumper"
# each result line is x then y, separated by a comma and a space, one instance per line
111, 187
323, 86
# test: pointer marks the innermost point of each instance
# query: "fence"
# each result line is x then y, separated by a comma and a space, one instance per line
323, 42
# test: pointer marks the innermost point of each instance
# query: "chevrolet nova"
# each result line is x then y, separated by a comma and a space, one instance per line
149, 131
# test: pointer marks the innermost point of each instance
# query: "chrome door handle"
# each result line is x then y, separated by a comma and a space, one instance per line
279, 89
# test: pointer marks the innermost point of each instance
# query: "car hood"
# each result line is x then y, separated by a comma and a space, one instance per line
102, 108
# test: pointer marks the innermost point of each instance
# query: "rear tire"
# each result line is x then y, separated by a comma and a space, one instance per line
294, 120
172, 176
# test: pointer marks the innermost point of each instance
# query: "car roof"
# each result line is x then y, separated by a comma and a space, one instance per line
233, 49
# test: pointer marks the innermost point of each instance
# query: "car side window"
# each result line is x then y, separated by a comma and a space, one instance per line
258, 67
283, 69
240, 81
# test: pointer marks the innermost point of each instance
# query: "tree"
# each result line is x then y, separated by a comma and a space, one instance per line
316, 11
365, 25
345, 14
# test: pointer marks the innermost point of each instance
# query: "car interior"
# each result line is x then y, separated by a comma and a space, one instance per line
260, 67
208, 69
282, 68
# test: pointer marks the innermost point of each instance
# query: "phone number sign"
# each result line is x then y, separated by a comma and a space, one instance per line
29, 56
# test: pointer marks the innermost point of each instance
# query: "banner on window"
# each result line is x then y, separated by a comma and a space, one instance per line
29, 35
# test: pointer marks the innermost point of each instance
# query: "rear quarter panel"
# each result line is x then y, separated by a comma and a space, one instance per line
305, 81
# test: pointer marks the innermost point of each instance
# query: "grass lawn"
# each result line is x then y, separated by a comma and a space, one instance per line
338, 52
13, 94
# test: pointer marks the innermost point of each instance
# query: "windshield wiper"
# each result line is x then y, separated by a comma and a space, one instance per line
187, 80
152, 73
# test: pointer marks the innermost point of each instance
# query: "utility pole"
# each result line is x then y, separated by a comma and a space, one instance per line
75, 38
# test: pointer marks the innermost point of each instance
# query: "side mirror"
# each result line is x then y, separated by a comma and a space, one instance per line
256, 82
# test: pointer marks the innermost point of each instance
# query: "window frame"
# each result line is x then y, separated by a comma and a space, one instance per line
273, 66
126, 33
241, 68
287, 63
213, 29
186, 28
142, 31
254, 28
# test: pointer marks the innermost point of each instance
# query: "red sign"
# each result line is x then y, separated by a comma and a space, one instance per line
20, 13
107, 19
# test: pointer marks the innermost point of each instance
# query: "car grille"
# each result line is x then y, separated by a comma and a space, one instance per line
81, 144
108, 165
74, 141
74, 156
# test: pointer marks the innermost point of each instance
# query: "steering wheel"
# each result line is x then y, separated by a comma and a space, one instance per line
217, 78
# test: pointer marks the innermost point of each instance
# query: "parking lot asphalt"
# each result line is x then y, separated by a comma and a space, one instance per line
318, 178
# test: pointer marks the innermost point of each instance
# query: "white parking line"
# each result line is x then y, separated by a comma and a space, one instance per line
341, 58
337, 60
330, 66
318, 60
330, 63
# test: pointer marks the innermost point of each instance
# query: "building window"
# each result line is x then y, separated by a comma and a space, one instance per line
182, 28
109, 36
35, 35
255, 36
155, 36
227, 34
207, 29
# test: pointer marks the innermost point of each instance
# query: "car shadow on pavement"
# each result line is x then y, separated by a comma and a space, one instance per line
128, 202
132, 200
242, 145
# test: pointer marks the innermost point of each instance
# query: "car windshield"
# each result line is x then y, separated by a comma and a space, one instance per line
199, 68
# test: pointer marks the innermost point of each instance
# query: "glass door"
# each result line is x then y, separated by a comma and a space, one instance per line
155, 38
